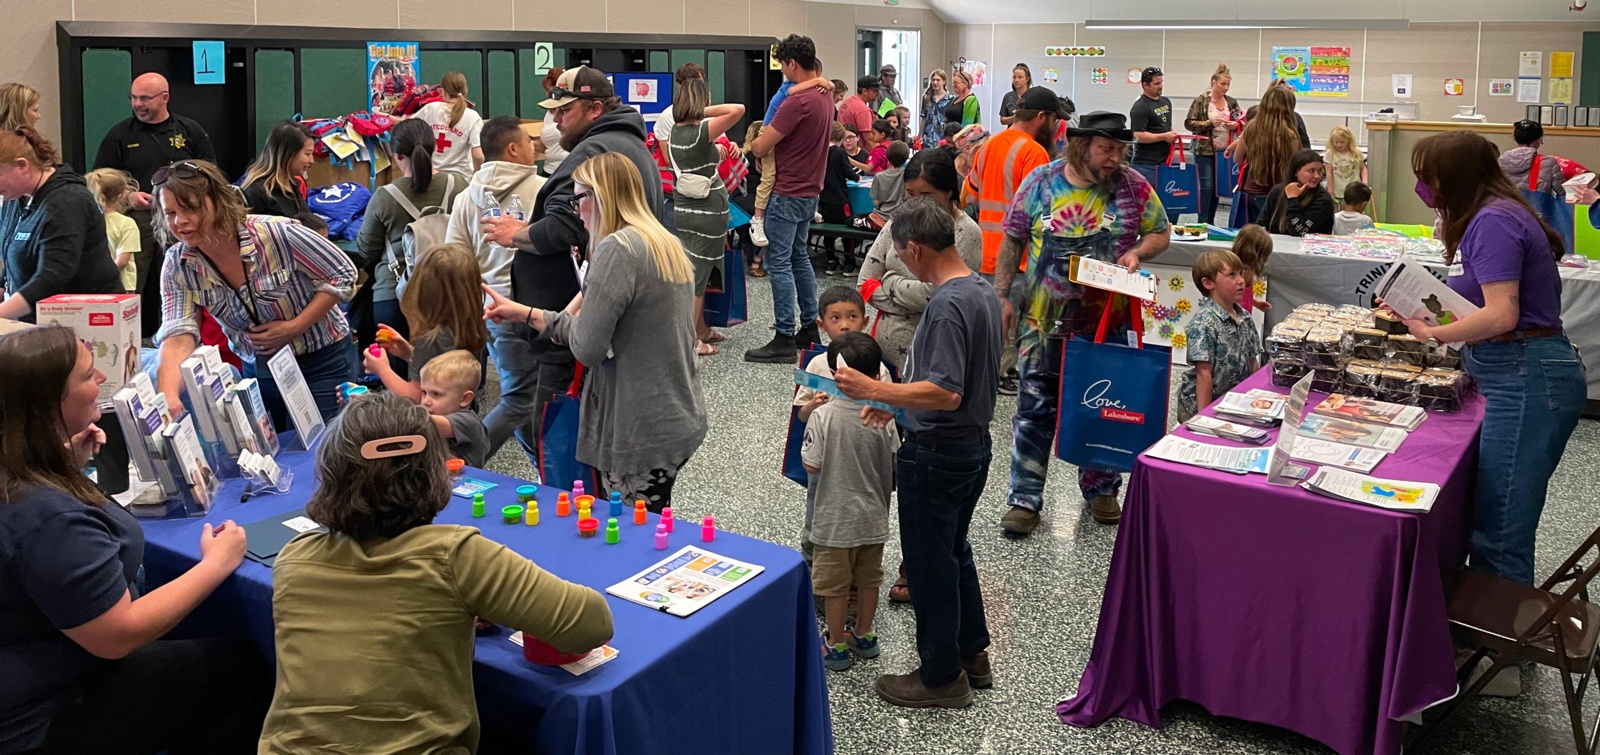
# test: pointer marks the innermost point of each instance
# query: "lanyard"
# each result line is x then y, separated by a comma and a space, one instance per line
250, 308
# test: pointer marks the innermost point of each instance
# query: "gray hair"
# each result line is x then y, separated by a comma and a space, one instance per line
924, 221
372, 499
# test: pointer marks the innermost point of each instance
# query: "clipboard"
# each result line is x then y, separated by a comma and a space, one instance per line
268, 536
1086, 271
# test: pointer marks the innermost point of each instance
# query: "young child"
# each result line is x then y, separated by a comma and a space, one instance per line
853, 466
1224, 345
1253, 246
1353, 217
449, 384
889, 186
443, 305
313, 221
832, 203
1346, 164
111, 188
878, 146
905, 124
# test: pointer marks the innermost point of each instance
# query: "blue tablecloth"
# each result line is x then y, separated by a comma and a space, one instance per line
743, 675
860, 197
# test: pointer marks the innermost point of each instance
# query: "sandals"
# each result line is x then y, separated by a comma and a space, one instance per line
703, 349
715, 337
899, 592
755, 269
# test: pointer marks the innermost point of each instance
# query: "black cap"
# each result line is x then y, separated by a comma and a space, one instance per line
1043, 99
1149, 75
1526, 132
868, 82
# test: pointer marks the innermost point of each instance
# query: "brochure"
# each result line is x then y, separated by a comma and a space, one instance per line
1112, 277
1210, 456
184, 450
1357, 488
1280, 471
1227, 430
297, 397
1414, 294
596, 657
1386, 439
1371, 411
1255, 410
686, 581
1329, 453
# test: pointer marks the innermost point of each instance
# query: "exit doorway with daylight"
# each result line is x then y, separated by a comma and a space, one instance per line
878, 47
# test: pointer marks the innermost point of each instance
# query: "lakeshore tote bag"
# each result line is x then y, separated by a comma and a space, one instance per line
1552, 207
1178, 182
725, 303
558, 440
792, 468
1114, 398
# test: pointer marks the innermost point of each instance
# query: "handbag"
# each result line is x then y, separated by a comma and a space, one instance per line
558, 439
792, 467
688, 185
1114, 398
725, 303
1176, 184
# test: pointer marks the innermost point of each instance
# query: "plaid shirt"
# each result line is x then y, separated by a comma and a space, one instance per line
286, 265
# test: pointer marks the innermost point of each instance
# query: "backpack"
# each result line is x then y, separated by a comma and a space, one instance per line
371, 124
415, 98
341, 203
426, 230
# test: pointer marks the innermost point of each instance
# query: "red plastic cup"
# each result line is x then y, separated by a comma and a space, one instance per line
541, 653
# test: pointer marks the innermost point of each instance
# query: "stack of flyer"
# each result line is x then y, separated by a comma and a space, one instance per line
1372, 411
1327, 452
1379, 437
250, 419
1258, 407
207, 380
1216, 428
143, 415
1224, 458
197, 482
1358, 488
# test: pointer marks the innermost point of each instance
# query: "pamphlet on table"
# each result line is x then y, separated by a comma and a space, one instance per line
1280, 471
1251, 408
1371, 410
1399, 495
593, 660
303, 412
1329, 453
1382, 438
686, 581
1210, 456
1227, 430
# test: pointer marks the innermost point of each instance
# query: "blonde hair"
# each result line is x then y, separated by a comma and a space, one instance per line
454, 85
110, 187
1349, 139
15, 101
690, 100
1212, 264
963, 75
207, 186
619, 206
457, 370
444, 293
751, 133
1222, 70
1253, 246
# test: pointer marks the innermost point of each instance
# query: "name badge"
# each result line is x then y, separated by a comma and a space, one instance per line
1107, 220
1457, 270
23, 235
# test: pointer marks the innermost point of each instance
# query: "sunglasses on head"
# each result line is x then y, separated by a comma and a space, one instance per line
561, 93
184, 170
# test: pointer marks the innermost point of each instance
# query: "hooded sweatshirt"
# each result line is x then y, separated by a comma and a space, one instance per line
543, 274
1517, 162
55, 242
504, 180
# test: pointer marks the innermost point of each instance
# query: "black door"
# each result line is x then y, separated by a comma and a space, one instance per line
222, 109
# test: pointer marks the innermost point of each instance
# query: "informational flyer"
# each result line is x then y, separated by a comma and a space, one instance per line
1502, 87
1561, 65
1292, 65
1386, 439
1330, 72
1209, 455
391, 70
1399, 495
1111, 277
1528, 90
1455, 87
1279, 470
1561, 91
1530, 63
686, 581
1402, 85
1329, 453
1371, 410
297, 397
1414, 294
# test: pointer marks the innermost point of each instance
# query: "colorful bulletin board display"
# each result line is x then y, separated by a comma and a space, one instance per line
974, 68
1502, 87
1330, 72
1293, 65
1100, 75
651, 93
1073, 51
391, 70
1166, 318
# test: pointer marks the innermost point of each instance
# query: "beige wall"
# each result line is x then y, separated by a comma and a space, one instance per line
28, 38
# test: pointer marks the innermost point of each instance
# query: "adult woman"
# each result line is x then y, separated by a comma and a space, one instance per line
1503, 259
550, 136
1302, 204
87, 671
271, 283
1215, 116
54, 236
382, 480
643, 411
886, 281
934, 100
1263, 151
963, 107
1021, 80
702, 221
378, 245
19, 106
456, 126
275, 183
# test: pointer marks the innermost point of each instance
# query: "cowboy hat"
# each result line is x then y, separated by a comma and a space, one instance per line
1102, 123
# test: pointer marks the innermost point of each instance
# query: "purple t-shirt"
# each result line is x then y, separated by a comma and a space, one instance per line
801, 158
1504, 242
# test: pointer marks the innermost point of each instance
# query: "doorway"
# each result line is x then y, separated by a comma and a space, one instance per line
876, 48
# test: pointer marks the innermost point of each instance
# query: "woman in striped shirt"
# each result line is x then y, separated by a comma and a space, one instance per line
270, 282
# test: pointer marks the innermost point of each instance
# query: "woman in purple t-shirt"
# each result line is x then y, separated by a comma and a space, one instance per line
1503, 259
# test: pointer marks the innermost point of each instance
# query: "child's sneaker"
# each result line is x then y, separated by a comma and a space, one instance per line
758, 231
866, 647
837, 658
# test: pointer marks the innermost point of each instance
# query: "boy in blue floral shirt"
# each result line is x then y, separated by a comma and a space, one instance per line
1224, 345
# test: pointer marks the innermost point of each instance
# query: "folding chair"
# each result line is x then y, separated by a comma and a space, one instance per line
1517, 622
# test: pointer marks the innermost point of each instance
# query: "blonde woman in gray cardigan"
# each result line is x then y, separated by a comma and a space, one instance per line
885, 281
643, 412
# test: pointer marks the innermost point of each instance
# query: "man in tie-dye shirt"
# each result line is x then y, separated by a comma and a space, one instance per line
1089, 203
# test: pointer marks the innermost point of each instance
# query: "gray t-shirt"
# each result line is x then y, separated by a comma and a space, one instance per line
957, 347
424, 349
471, 441
857, 477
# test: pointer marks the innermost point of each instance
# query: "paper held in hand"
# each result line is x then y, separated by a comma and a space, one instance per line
1414, 294
1108, 276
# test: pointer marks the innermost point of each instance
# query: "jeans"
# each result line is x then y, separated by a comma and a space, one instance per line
1148, 170
1533, 391
1008, 339
511, 345
1208, 187
940, 483
788, 224
323, 369
1033, 427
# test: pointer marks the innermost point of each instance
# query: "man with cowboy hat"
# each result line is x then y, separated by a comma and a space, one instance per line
1088, 203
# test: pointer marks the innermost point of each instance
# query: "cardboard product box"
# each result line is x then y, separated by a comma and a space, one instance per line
110, 325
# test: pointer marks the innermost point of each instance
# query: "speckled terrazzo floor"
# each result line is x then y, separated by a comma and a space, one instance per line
1042, 594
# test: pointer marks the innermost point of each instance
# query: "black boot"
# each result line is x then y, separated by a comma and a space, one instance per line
780, 350
806, 336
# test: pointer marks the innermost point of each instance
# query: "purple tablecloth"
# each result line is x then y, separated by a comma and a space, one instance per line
1278, 605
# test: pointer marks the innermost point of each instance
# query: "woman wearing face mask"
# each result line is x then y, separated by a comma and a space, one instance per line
1021, 80
1300, 205
275, 184
1503, 259
633, 326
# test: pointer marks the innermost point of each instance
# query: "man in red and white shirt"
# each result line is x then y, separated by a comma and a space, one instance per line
858, 109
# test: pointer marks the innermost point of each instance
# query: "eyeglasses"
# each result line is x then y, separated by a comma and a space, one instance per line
582, 195
143, 99
184, 170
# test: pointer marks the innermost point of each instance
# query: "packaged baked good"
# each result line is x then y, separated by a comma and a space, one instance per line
1440, 356
1361, 378
1407, 348
1440, 389
1388, 323
1326, 347
1368, 343
1285, 374
1327, 380
1395, 386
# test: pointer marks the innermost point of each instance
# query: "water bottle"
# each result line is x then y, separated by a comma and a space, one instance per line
491, 209
516, 210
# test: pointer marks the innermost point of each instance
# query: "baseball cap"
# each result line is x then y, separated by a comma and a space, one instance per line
888, 69
1149, 74
868, 82
581, 83
1043, 99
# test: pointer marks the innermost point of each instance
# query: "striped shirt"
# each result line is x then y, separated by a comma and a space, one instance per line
285, 264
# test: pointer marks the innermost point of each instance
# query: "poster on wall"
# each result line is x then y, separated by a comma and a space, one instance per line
974, 68
1134, 75
1561, 91
1528, 90
1530, 64
391, 70
1561, 65
1330, 72
1293, 65
1455, 87
1401, 83
1052, 75
1099, 76
1502, 87
1177, 300
1074, 51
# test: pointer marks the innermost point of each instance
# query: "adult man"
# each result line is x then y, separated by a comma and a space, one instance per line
592, 120
798, 139
153, 138
859, 109
1151, 121
1086, 203
889, 97
998, 168
509, 171
948, 400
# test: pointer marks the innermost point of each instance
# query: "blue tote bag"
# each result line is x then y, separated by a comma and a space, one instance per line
792, 468
1550, 206
1227, 176
558, 441
1178, 182
1113, 398
725, 303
